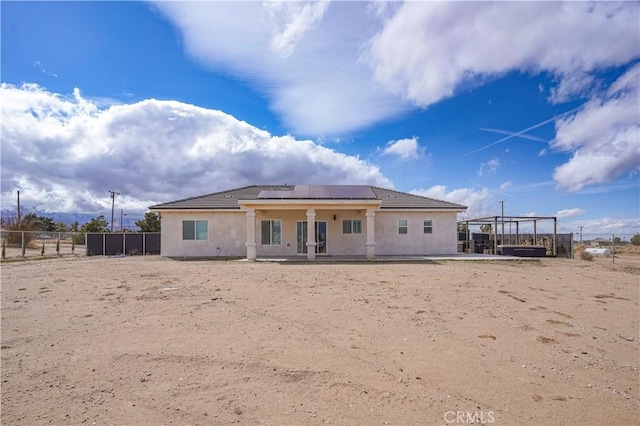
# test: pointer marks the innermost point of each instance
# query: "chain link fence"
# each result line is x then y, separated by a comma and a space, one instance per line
30, 244
38, 244
612, 245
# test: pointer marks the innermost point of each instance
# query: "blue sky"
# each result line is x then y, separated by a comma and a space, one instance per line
164, 100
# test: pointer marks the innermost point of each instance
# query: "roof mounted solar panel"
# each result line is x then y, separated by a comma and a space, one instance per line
352, 192
321, 192
274, 194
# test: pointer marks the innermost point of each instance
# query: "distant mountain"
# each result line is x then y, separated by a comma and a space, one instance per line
82, 218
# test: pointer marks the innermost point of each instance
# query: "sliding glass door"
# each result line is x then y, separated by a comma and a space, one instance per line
321, 237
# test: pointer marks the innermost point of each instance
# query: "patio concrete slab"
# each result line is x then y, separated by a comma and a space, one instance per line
393, 259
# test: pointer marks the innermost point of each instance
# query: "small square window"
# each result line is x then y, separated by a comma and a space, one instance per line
428, 227
350, 226
403, 226
195, 230
271, 232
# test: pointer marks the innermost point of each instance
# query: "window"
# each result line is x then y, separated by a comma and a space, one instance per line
271, 232
403, 226
352, 226
195, 230
428, 226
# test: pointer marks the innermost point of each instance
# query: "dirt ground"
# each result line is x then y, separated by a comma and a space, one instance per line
147, 340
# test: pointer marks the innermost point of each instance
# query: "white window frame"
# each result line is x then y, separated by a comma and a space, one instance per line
271, 232
197, 236
402, 226
352, 228
427, 226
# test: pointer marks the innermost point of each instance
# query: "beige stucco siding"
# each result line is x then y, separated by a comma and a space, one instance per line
337, 243
347, 244
415, 241
227, 234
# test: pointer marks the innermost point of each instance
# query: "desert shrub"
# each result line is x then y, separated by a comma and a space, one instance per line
77, 238
583, 253
15, 228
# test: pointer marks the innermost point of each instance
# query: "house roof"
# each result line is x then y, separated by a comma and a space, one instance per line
228, 200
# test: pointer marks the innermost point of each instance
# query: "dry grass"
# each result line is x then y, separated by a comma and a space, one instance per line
627, 249
581, 253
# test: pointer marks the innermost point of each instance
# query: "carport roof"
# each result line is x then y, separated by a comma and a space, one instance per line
228, 200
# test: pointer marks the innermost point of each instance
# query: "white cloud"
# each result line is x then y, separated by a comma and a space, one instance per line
64, 153
490, 166
334, 68
40, 66
303, 56
290, 21
529, 187
429, 49
572, 87
506, 185
603, 136
605, 227
406, 149
478, 201
566, 213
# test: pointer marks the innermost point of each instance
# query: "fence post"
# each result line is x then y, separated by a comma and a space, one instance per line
571, 256
22, 245
613, 248
144, 243
123, 243
555, 238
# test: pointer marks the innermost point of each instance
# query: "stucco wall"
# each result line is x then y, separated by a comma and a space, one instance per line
415, 241
228, 233
337, 243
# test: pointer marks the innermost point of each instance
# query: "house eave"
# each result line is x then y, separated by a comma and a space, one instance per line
194, 209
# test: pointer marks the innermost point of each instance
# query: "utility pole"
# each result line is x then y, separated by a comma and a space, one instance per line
580, 233
113, 201
502, 220
19, 213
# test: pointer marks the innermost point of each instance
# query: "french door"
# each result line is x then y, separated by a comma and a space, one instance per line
321, 237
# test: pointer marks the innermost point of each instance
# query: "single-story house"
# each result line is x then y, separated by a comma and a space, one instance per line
599, 242
307, 220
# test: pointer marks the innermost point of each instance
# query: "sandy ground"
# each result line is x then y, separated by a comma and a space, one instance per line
147, 340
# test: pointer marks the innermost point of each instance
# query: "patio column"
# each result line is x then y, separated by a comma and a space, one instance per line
371, 234
311, 234
251, 234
